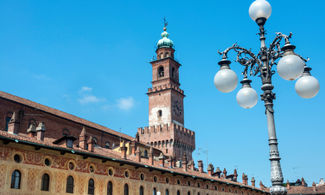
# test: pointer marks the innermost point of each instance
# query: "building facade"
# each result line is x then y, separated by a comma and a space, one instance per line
47, 151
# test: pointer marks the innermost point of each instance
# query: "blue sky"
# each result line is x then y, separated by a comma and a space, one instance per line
91, 59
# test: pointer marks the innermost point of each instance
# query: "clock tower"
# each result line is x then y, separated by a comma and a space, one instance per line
165, 96
166, 109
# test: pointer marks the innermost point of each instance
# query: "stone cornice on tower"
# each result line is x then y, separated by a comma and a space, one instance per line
165, 87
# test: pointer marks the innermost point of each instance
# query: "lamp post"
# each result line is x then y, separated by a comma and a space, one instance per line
290, 66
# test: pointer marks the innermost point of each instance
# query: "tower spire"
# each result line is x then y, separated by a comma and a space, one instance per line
165, 24
165, 42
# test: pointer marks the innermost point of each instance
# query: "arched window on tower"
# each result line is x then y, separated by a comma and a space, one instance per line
159, 113
126, 189
15, 179
167, 192
154, 191
70, 184
91, 186
109, 188
160, 72
166, 54
45, 182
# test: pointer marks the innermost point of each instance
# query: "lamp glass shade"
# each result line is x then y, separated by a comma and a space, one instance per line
290, 67
247, 97
260, 9
307, 86
225, 80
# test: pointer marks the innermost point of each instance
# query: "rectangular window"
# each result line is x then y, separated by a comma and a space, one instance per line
69, 143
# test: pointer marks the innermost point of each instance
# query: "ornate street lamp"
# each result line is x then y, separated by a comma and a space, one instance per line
290, 66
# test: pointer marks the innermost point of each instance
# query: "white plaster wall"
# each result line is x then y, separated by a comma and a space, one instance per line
155, 120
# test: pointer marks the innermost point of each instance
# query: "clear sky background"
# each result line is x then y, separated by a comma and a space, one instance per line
91, 59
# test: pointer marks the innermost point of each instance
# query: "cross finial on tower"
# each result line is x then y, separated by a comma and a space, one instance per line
165, 24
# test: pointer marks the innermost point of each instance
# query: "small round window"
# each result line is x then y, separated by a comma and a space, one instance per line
91, 168
47, 162
126, 174
178, 182
142, 176
167, 180
110, 172
71, 165
155, 179
17, 158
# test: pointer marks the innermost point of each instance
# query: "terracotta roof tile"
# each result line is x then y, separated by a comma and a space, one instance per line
61, 114
306, 190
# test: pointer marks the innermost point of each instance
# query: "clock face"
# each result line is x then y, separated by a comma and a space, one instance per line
177, 108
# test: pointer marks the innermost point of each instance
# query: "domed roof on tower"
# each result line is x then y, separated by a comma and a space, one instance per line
165, 41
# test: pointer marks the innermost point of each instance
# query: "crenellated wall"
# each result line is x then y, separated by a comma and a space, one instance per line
173, 139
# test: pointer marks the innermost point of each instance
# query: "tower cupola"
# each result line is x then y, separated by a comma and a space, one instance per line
165, 41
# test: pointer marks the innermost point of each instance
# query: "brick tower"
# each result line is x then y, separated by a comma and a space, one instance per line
166, 111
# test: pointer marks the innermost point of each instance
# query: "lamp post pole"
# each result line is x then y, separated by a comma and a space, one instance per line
291, 66
268, 96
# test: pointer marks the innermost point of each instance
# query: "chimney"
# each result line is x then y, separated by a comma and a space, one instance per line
161, 159
90, 143
151, 156
192, 165
82, 139
253, 181
288, 185
314, 187
244, 177
123, 150
137, 137
174, 161
31, 131
210, 169
138, 154
133, 147
40, 129
235, 175
262, 186
171, 162
184, 162
225, 173
303, 183
13, 125
200, 165
218, 172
